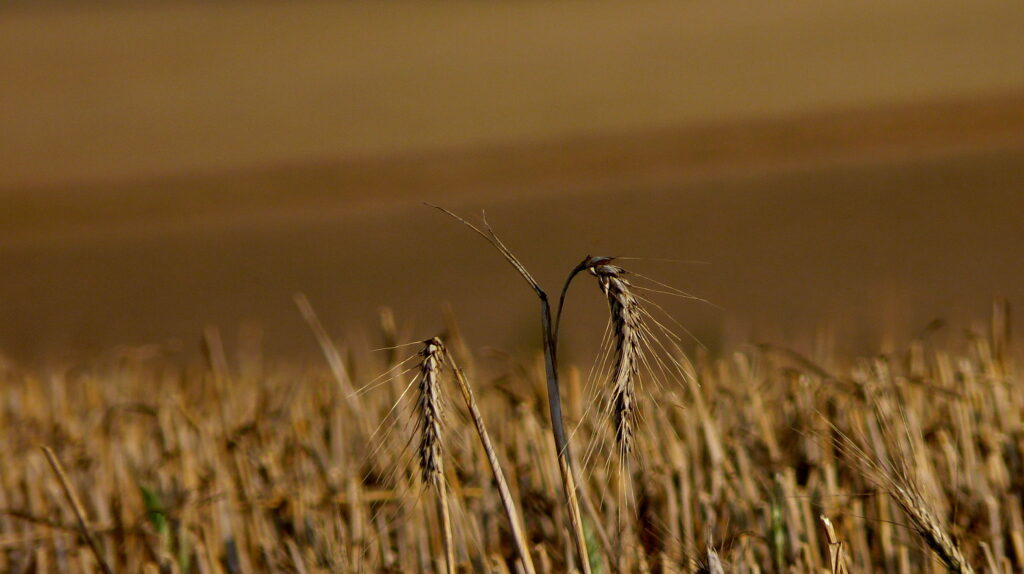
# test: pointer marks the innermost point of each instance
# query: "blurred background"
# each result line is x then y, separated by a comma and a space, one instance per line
164, 166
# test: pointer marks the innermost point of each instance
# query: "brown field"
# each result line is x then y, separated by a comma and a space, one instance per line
796, 225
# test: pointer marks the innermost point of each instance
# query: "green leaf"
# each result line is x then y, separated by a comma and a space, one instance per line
157, 516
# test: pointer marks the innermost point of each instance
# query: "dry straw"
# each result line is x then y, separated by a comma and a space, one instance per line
836, 551
507, 501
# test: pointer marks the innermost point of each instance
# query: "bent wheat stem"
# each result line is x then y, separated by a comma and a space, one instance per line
561, 439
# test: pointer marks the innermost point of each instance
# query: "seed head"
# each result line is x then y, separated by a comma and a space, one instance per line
626, 328
429, 412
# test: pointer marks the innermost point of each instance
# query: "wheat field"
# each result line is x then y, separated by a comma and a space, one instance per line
760, 459
172, 165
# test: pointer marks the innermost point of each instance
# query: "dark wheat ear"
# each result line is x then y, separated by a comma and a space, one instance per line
429, 417
627, 325
429, 413
627, 328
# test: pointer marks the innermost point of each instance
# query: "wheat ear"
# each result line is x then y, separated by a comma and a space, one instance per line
626, 318
928, 527
429, 452
626, 328
897, 480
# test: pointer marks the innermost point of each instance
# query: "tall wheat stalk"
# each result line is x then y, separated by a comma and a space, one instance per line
561, 438
522, 546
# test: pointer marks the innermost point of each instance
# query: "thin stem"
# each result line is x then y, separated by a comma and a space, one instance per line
587, 263
499, 476
76, 507
565, 465
446, 525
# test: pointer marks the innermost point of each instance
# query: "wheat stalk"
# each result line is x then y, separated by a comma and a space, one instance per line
429, 415
836, 551
522, 546
549, 339
77, 508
